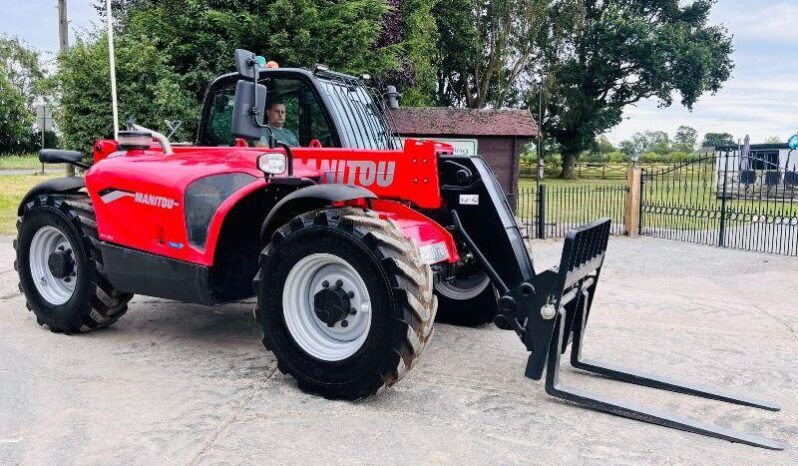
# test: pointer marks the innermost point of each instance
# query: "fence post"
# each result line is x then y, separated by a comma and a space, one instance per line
631, 213
542, 211
722, 232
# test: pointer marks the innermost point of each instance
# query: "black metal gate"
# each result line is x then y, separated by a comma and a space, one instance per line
742, 200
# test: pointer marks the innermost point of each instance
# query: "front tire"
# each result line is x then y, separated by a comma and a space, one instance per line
60, 266
468, 301
344, 302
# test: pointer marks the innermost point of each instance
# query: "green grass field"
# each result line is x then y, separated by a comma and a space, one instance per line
681, 202
17, 162
12, 189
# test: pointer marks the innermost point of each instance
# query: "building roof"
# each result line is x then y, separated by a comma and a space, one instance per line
429, 121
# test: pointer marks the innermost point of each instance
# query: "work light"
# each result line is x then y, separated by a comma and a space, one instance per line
272, 163
129, 140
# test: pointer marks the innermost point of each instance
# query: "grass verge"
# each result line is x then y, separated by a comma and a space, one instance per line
12, 190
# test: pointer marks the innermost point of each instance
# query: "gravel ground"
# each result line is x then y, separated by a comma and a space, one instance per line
182, 384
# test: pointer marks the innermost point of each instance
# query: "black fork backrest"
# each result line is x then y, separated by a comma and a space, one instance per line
583, 253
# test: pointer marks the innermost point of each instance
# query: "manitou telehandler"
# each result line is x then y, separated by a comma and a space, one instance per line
349, 240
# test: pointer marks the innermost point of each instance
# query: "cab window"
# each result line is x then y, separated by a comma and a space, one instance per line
293, 113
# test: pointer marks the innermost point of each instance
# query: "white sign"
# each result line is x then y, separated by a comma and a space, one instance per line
469, 199
461, 146
44, 117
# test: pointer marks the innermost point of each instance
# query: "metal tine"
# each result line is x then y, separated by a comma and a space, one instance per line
629, 410
642, 378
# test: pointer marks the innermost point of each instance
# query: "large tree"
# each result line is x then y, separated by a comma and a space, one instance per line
718, 139
686, 138
616, 53
484, 46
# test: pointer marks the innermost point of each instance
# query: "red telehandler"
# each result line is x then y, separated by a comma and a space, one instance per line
350, 241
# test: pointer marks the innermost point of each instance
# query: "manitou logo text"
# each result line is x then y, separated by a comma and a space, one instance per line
360, 172
155, 201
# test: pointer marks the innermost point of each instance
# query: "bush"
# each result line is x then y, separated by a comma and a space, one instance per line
149, 91
617, 157
678, 156
651, 157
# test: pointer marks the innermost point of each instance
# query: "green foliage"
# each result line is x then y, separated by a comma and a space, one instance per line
679, 156
19, 87
419, 36
607, 55
651, 157
604, 145
198, 37
484, 47
718, 139
148, 90
617, 157
774, 140
648, 141
686, 138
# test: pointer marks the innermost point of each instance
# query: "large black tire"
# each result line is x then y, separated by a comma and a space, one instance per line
94, 303
399, 286
468, 302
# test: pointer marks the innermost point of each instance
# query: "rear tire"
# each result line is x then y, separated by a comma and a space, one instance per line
379, 269
469, 302
70, 293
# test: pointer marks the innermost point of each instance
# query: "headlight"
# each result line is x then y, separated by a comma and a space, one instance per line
273, 164
433, 253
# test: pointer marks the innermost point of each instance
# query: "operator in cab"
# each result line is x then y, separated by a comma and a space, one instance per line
275, 112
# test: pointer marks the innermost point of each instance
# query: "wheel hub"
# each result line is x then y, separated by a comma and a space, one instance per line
61, 263
326, 306
53, 267
331, 304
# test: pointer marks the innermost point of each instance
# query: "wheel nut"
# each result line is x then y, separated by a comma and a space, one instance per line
325, 284
353, 311
339, 283
344, 323
351, 294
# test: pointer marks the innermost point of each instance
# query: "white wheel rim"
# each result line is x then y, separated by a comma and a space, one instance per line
304, 280
46, 241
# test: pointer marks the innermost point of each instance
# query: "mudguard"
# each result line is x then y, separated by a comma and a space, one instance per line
309, 198
56, 185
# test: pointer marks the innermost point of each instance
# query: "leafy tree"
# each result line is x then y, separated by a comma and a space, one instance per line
774, 140
649, 141
718, 139
685, 139
618, 52
20, 76
484, 47
148, 90
604, 145
410, 25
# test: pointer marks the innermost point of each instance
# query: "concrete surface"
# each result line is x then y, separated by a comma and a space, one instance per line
181, 384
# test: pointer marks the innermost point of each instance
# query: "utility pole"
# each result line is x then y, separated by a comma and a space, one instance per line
63, 40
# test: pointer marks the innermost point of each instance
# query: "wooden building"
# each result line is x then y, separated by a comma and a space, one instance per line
496, 135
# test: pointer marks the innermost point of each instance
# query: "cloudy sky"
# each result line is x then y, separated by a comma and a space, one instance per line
761, 99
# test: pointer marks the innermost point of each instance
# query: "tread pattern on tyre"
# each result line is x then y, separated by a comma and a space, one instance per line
412, 284
106, 305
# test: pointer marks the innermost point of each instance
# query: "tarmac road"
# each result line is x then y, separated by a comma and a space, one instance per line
182, 384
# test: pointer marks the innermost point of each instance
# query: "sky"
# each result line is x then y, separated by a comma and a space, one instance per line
760, 100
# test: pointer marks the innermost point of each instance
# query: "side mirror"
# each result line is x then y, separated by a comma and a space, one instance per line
245, 63
246, 123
